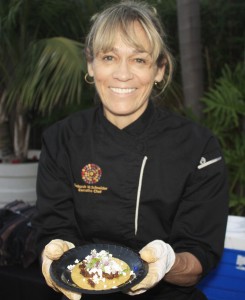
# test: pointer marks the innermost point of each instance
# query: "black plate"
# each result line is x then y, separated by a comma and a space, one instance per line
61, 275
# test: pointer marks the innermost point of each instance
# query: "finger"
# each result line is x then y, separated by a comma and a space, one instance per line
69, 245
148, 255
145, 284
131, 293
152, 251
150, 280
53, 251
45, 270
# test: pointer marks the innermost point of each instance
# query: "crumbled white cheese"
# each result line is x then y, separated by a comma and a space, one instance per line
70, 267
99, 262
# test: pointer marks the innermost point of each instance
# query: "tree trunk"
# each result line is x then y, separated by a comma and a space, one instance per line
6, 149
21, 137
189, 29
14, 135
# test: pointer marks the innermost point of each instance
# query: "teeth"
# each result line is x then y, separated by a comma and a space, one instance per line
122, 91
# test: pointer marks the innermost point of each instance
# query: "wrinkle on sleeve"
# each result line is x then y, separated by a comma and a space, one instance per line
55, 215
200, 223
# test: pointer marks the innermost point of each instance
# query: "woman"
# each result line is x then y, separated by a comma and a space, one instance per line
128, 173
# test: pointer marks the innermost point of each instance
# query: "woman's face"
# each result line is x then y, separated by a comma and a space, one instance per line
124, 77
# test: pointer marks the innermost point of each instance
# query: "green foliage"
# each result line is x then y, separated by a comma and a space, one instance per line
49, 73
224, 114
42, 63
223, 35
42, 67
41, 57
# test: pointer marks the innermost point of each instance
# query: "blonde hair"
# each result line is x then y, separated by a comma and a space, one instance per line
119, 18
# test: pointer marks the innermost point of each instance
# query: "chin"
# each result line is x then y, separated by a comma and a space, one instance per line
124, 112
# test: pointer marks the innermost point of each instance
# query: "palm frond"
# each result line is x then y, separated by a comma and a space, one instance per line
50, 73
236, 76
237, 204
226, 103
224, 113
235, 157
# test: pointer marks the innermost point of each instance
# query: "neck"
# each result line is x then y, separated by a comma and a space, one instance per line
123, 120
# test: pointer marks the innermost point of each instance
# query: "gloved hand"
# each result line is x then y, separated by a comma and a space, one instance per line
53, 251
160, 258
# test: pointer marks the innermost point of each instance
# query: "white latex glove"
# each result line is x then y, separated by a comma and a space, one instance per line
160, 258
53, 251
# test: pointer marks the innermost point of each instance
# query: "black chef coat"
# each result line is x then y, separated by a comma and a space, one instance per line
162, 177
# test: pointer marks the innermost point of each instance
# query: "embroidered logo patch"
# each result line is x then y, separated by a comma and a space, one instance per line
91, 173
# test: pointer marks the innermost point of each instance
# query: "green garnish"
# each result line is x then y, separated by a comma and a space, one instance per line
92, 263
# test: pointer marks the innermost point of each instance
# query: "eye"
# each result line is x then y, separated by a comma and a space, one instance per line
108, 57
140, 60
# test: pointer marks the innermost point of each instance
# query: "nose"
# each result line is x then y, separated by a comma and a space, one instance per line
123, 71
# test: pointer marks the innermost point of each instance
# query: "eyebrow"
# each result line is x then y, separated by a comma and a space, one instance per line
135, 51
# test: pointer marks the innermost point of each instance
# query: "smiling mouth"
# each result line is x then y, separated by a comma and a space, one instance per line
122, 91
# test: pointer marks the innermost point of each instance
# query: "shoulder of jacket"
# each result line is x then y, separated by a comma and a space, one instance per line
74, 124
183, 125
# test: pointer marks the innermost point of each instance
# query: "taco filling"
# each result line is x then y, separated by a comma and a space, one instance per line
101, 271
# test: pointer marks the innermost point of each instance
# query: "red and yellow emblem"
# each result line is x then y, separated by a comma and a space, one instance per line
91, 173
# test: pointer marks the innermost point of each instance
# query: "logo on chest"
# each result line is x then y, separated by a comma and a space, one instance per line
90, 174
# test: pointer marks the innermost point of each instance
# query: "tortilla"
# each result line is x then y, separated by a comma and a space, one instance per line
107, 284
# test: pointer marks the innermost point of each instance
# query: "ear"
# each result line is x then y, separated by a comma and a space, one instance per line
160, 73
90, 69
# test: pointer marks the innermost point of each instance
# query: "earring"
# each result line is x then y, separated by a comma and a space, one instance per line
159, 85
87, 80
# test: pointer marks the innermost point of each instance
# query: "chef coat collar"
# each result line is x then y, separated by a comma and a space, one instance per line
135, 128
142, 122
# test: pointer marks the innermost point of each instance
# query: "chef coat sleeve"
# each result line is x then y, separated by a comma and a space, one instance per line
55, 213
200, 222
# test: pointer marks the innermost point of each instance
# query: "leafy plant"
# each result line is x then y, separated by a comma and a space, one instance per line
223, 35
224, 114
41, 63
